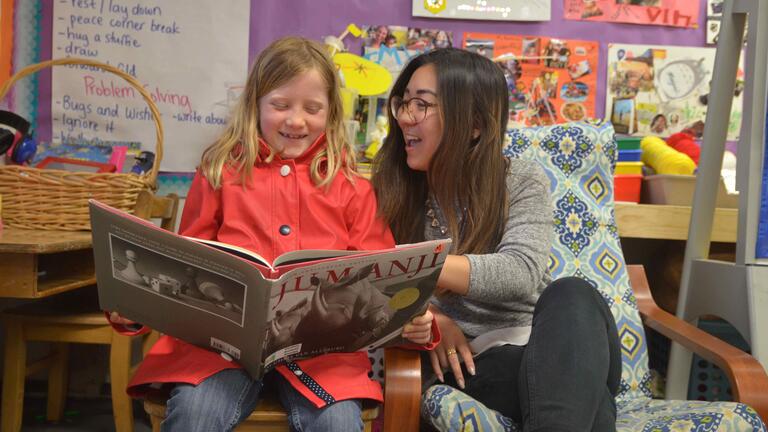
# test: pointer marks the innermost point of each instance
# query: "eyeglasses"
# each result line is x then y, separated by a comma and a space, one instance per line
415, 107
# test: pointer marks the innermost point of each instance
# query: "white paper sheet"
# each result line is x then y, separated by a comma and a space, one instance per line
192, 59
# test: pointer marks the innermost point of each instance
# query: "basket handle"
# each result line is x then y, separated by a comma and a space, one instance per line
28, 70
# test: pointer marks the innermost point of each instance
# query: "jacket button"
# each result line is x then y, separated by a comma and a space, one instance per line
285, 170
285, 230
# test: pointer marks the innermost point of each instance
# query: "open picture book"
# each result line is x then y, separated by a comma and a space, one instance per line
229, 299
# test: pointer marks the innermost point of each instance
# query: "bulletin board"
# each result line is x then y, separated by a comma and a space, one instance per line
270, 19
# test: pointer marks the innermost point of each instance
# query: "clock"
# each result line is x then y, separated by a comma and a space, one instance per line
679, 78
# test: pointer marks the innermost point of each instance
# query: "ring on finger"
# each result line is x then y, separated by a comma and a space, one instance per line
450, 351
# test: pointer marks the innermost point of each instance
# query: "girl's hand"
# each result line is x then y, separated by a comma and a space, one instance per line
453, 349
419, 330
116, 318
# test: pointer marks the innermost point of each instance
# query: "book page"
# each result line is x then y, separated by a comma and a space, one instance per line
179, 287
234, 250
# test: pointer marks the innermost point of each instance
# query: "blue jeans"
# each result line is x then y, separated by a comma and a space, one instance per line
225, 399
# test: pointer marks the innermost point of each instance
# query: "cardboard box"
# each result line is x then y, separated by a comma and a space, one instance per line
678, 190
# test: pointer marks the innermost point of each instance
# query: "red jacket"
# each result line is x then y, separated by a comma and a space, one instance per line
251, 216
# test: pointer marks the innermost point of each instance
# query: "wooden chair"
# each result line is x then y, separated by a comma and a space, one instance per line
72, 317
402, 394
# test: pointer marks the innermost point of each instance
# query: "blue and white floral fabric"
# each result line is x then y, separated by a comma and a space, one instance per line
579, 159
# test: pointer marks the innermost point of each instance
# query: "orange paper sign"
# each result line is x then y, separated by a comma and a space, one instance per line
549, 80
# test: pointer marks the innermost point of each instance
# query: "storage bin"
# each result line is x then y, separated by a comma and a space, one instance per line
629, 143
626, 187
629, 168
673, 189
707, 381
630, 155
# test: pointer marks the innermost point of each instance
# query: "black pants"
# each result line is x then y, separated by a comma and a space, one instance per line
567, 376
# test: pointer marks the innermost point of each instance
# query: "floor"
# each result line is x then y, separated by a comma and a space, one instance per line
81, 415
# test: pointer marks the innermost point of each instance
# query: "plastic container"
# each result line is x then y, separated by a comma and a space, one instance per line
630, 155
629, 143
626, 187
708, 382
629, 168
672, 189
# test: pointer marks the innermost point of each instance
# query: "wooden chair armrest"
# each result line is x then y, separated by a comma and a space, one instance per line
746, 374
402, 389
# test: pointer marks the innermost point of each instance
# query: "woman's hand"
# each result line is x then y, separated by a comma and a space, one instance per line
453, 349
116, 318
419, 330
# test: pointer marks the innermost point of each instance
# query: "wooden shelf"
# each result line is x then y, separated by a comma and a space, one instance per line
670, 222
37, 263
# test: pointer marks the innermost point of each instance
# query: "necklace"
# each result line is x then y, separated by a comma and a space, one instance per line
431, 213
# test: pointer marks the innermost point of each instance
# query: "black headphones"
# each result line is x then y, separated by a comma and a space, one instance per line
15, 140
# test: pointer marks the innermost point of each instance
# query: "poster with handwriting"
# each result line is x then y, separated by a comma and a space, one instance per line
661, 90
193, 61
549, 80
492, 10
675, 13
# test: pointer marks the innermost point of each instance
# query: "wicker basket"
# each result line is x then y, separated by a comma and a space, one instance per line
52, 199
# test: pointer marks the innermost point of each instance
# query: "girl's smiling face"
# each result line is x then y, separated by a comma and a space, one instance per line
421, 137
294, 115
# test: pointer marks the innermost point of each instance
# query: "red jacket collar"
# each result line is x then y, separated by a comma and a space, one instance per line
305, 157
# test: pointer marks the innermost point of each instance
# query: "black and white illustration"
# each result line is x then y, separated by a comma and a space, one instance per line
177, 280
348, 314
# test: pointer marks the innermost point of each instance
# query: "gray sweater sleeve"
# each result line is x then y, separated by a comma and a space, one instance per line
518, 266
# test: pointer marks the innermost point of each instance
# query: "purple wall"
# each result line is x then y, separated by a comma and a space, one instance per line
271, 19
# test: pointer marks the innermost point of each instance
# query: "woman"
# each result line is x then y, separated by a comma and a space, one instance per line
543, 353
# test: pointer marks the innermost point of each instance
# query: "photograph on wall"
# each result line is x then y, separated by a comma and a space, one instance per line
392, 46
487, 10
675, 13
715, 9
549, 80
662, 90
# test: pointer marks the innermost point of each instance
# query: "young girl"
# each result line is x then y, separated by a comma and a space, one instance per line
280, 178
440, 174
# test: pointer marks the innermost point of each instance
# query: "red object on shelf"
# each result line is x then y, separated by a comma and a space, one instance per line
685, 143
626, 187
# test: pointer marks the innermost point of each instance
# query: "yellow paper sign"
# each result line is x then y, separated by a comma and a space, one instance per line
365, 76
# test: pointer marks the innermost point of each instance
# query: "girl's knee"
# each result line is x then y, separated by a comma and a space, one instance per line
339, 416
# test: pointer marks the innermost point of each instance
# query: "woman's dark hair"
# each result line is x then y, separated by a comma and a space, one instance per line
467, 173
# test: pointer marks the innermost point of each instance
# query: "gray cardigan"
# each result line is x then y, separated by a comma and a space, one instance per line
504, 285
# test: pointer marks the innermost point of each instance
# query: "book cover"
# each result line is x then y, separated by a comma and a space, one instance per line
228, 299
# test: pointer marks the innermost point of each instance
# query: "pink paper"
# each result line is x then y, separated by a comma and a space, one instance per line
674, 13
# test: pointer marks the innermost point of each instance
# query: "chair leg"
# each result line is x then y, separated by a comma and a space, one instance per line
14, 372
119, 372
149, 340
57, 382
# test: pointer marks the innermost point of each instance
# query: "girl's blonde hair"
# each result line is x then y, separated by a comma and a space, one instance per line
238, 147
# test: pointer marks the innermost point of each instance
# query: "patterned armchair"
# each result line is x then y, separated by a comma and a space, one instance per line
579, 159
